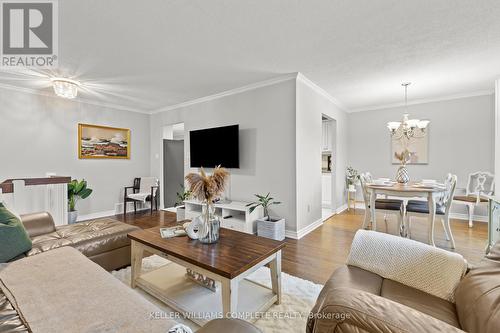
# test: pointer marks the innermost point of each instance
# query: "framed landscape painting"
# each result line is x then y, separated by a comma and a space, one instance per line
418, 147
103, 142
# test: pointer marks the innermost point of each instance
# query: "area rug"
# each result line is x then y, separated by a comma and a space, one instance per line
298, 298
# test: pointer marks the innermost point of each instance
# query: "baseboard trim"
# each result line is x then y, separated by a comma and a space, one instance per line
118, 210
475, 218
304, 231
96, 215
341, 209
130, 207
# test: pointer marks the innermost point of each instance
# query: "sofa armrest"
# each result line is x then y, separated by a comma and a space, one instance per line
37, 224
352, 310
409, 262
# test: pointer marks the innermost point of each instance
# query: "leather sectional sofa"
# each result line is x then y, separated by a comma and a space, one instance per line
358, 300
73, 294
103, 241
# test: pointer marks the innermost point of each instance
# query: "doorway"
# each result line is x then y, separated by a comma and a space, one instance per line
328, 154
173, 163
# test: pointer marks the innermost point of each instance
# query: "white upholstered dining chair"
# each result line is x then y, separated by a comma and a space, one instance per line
479, 185
419, 208
385, 206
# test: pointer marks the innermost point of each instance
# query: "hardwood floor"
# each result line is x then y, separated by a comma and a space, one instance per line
315, 256
318, 254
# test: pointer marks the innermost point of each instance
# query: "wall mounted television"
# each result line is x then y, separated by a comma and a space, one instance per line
215, 146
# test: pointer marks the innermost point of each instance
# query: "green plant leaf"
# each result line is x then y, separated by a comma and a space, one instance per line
77, 190
85, 193
264, 201
79, 186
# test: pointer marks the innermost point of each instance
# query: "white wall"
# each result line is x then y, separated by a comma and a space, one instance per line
496, 146
266, 117
38, 134
311, 104
460, 139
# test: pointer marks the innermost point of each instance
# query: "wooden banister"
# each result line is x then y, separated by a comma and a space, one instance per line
8, 186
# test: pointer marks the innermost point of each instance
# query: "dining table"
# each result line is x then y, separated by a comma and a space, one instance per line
431, 192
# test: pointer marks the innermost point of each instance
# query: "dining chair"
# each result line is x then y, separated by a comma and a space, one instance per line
386, 206
420, 208
479, 185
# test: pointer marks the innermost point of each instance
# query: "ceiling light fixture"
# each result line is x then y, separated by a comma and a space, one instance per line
65, 88
408, 128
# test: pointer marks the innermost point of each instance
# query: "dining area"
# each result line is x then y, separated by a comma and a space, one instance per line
427, 199
413, 202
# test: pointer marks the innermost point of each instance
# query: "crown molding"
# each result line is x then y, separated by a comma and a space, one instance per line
76, 100
321, 91
273, 81
425, 100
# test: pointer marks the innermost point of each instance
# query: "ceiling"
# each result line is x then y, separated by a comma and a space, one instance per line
147, 55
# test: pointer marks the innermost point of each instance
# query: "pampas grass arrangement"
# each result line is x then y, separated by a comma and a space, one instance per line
207, 187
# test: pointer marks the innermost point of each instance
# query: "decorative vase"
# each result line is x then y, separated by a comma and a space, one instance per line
72, 216
208, 232
402, 175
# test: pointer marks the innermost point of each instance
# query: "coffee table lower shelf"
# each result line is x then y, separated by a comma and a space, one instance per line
171, 285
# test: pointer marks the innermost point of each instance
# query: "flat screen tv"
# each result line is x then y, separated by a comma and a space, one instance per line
215, 146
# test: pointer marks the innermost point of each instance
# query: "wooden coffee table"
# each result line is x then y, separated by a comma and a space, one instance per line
228, 262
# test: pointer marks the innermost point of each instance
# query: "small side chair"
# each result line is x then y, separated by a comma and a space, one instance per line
145, 189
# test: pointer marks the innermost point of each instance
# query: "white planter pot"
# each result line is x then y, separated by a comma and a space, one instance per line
352, 188
273, 228
180, 213
72, 216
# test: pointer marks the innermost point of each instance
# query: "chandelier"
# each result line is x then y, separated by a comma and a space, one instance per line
407, 128
65, 88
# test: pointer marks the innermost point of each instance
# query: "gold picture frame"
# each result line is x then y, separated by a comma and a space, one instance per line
103, 142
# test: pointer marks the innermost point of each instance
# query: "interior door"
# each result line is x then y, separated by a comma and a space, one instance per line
173, 170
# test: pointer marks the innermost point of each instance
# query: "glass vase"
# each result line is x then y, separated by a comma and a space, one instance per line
209, 232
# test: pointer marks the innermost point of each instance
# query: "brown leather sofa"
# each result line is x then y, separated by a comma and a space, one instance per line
104, 241
357, 300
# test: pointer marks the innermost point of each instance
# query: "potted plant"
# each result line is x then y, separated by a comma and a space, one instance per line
76, 190
180, 209
352, 178
268, 226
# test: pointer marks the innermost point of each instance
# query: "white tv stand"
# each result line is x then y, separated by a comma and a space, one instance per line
234, 215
